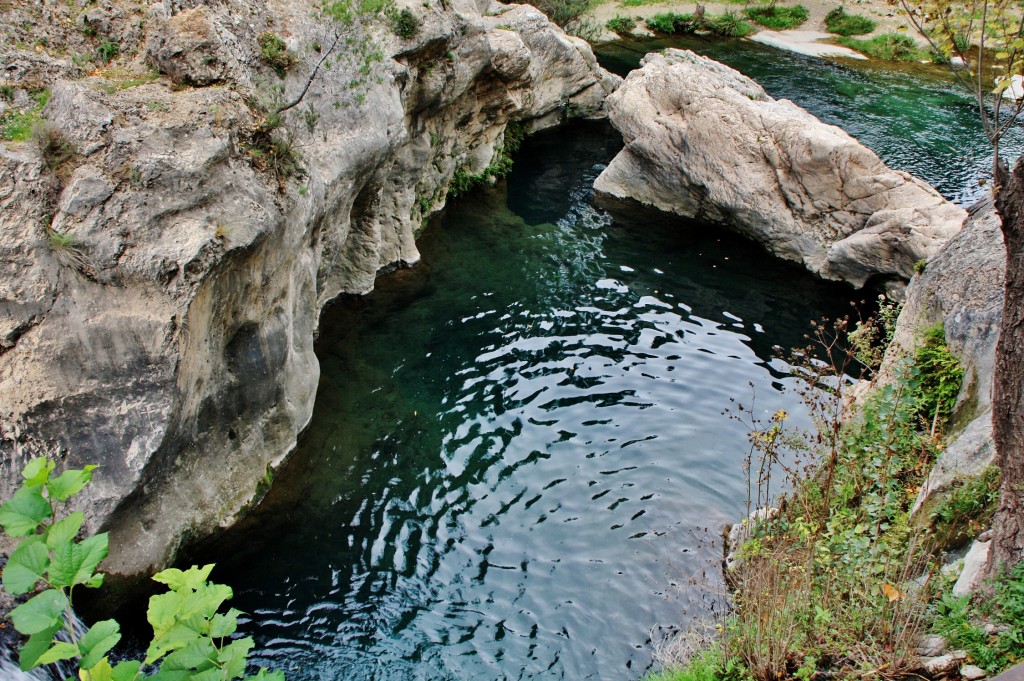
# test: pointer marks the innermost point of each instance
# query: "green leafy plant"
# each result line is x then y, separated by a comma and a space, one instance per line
777, 17
191, 640
621, 24
839, 22
870, 337
274, 53
405, 25
500, 165
967, 509
887, 47
940, 376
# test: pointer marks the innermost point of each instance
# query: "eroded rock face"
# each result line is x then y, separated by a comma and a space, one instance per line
704, 141
168, 335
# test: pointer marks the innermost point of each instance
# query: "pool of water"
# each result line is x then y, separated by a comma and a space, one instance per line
518, 464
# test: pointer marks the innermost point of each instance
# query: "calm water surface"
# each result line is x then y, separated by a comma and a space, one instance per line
518, 462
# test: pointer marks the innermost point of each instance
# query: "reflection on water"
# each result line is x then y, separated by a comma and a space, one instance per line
518, 465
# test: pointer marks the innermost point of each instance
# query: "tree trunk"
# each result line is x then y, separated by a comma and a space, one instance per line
1008, 392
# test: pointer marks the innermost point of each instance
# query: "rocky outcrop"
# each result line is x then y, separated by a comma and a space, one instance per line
706, 142
160, 288
961, 288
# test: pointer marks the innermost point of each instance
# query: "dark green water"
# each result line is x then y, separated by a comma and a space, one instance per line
518, 466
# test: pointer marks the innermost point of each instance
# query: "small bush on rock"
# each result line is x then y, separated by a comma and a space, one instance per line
274, 53
839, 22
405, 25
620, 24
777, 17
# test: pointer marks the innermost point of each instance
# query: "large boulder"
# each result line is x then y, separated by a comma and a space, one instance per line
704, 141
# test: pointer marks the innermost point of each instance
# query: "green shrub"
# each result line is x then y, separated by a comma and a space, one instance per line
191, 640
839, 22
405, 25
967, 509
777, 17
671, 23
274, 53
108, 51
887, 47
939, 376
619, 24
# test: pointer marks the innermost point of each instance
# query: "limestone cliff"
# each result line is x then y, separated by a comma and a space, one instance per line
704, 141
167, 244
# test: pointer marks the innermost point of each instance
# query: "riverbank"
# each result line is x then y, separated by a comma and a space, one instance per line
810, 38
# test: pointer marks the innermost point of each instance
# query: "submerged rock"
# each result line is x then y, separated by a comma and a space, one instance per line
704, 141
160, 291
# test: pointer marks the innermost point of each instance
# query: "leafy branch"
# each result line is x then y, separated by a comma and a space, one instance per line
191, 640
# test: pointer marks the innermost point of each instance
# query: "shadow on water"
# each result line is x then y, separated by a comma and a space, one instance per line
517, 465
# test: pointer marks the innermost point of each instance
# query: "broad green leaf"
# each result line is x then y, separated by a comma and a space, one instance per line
64, 529
178, 636
98, 641
199, 655
26, 566
36, 645
42, 611
205, 601
61, 650
75, 563
177, 579
232, 657
37, 471
21, 515
101, 671
126, 671
224, 625
162, 613
69, 483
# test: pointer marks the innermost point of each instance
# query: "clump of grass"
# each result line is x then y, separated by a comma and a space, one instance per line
839, 22
620, 24
728, 25
405, 25
777, 17
274, 53
57, 151
68, 250
887, 47
562, 12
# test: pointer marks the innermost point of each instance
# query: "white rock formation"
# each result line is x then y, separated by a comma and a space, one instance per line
706, 142
171, 340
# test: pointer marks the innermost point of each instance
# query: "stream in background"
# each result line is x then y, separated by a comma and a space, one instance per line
518, 464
